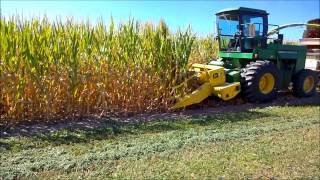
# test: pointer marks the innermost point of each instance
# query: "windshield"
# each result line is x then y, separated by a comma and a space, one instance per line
228, 27
228, 24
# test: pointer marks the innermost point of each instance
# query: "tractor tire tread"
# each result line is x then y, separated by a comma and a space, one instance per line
298, 80
250, 76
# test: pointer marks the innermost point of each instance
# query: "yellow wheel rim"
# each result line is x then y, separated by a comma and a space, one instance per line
266, 83
308, 84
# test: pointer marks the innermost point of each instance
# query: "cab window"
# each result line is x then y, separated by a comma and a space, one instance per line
252, 26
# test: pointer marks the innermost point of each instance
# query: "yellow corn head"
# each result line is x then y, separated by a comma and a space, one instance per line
212, 80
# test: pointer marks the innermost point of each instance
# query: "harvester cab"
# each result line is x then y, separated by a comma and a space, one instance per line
251, 61
242, 29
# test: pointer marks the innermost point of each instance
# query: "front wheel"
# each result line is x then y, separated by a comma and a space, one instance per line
260, 81
304, 83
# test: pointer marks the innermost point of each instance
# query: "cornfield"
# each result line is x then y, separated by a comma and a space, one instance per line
62, 69
204, 50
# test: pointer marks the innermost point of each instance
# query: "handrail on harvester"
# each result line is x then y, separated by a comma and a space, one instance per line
276, 30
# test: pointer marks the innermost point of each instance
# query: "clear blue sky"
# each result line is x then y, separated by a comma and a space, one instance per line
199, 14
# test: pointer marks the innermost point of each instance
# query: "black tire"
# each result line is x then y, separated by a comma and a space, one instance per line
298, 81
251, 76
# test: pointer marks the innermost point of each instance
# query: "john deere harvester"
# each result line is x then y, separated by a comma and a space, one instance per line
252, 60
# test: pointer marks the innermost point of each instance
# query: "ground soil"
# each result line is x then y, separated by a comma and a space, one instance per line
209, 107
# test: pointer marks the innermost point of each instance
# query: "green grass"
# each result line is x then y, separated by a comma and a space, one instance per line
279, 142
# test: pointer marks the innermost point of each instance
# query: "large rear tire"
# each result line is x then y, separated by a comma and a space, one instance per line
304, 83
260, 81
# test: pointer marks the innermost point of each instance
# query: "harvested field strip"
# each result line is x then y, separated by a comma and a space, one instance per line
274, 136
